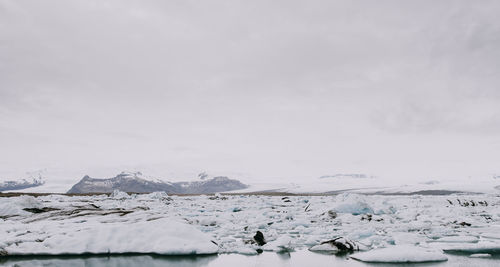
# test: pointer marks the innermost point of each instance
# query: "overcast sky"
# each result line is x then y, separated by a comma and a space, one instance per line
262, 89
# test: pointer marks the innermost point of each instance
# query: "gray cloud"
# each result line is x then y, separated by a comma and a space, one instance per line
282, 88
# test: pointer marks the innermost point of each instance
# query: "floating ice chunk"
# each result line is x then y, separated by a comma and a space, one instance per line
245, 251
480, 255
163, 236
311, 240
283, 243
117, 194
383, 207
458, 239
336, 245
491, 235
157, 195
208, 222
362, 233
480, 247
400, 254
352, 203
404, 238
236, 209
324, 248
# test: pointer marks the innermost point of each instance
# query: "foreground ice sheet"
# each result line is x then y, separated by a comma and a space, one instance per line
157, 223
162, 236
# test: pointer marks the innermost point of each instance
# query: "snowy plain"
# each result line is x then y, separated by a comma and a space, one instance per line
384, 228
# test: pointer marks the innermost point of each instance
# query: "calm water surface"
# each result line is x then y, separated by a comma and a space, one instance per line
298, 258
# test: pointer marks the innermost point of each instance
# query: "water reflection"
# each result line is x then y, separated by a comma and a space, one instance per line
298, 258
109, 260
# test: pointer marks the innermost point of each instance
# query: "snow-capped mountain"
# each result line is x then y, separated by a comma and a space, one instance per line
138, 183
213, 185
35, 179
125, 181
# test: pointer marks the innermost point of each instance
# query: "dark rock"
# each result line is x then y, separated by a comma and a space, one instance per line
259, 238
343, 244
487, 217
367, 217
467, 203
483, 203
464, 224
217, 198
307, 207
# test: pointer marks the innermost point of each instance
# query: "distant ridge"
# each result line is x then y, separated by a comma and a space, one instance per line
137, 183
347, 175
21, 184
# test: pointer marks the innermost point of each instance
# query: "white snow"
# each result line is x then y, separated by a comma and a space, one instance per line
400, 254
480, 255
326, 248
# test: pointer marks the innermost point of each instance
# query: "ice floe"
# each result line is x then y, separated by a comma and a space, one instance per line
400, 254
162, 236
480, 255
474, 248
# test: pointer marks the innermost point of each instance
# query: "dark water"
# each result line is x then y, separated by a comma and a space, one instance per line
298, 258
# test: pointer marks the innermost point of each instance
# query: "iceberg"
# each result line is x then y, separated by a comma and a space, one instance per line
400, 254
162, 236
352, 203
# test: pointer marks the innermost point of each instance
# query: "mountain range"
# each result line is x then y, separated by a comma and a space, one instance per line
138, 183
21, 184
